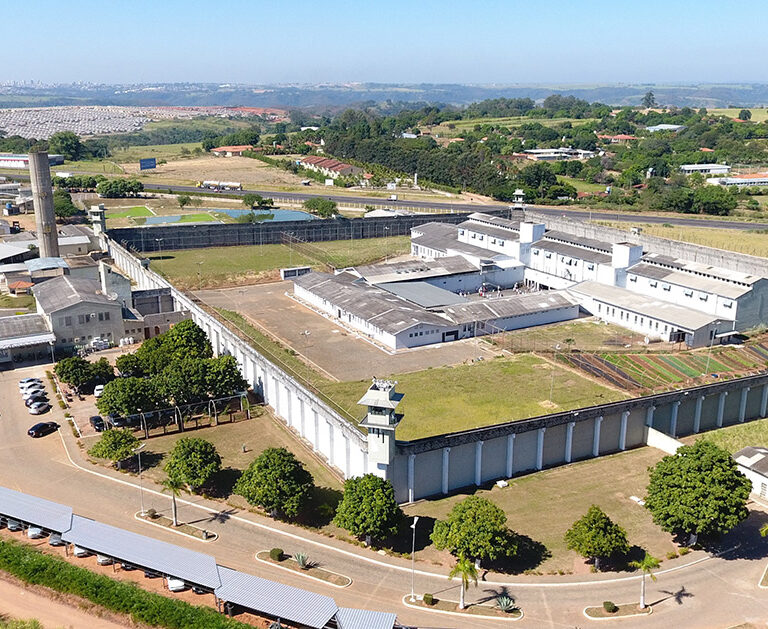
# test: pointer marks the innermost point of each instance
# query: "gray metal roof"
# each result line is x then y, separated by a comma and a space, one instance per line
580, 241
506, 307
44, 264
705, 270
8, 250
651, 307
363, 619
24, 331
490, 219
689, 280
415, 269
753, 458
49, 515
146, 552
275, 599
572, 251
444, 238
65, 291
489, 230
423, 294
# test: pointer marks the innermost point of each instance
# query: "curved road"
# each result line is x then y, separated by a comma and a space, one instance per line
717, 592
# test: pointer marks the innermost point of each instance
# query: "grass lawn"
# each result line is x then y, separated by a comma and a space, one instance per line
544, 505
449, 399
750, 242
159, 151
17, 301
758, 114
586, 335
462, 126
245, 264
582, 186
107, 167
201, 217
131, 212
734, 438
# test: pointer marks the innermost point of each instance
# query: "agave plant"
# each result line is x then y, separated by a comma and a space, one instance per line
505, 603
303, 560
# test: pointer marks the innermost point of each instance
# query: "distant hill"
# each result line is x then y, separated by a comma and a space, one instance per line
326, 95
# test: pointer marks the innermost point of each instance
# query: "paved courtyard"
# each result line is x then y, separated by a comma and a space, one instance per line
341, 352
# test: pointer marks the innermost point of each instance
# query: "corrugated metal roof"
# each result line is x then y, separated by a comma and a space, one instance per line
573, 251
690, 280
146, 552
754, 458
275, 599
363, 619
423, 293
62, 292
44, 264
49, 515
24, 331
507, 307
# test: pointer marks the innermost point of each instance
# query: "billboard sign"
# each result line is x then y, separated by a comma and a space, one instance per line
147, 163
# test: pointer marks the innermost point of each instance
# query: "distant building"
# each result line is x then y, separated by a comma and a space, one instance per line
557, 154
621, 138
674, 128
706, 169
331, 168
231, 151
752, 461
14, 160
741, 181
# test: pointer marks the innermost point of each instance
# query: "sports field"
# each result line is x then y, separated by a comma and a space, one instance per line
131, 212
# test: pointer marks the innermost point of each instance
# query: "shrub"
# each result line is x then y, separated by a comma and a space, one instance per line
671, 554
276, 554
428, 599
610, 607
505, 603
303, 560
684, 551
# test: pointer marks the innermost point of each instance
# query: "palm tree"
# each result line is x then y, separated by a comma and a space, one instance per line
465, 569
648, 563
173, 487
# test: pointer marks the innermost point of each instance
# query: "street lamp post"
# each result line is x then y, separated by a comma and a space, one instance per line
137, 451
413, 557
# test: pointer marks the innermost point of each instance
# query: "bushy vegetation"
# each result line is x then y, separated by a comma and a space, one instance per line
192, 462
82, 374
118, 188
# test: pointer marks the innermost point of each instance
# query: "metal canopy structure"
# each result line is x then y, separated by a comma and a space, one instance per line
43, 513
347, 618
145, 552
275, 599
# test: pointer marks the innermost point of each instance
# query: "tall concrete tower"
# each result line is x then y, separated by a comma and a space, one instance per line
42, 199
381, 422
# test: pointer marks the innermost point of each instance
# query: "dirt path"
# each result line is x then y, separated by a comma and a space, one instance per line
23, 603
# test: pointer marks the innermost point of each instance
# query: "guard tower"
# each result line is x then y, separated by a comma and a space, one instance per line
98, 217
381, 422
518, 199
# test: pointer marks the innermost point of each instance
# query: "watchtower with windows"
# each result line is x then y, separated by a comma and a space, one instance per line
381, 422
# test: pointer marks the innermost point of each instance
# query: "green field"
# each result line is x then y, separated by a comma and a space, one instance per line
734, 438
544, 505
131, 212
509, 122
214, 124
17, 301
583, 335
244, 264
106, 167
582, 186
450, 399
159, 151
758, 114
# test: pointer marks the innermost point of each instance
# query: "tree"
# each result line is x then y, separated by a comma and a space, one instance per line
277, 482
129, 365
65, 143
649, 100
698, 491
745, 114
62, 204
173, 486
324, 208
184, 340
102, 371
467, 571
251, 200
184, 381
476, 529
368, 508
223, 377
648, 563
183, 200
75, 371
129, 396
596, 536
193, 462
713, 200
115, 445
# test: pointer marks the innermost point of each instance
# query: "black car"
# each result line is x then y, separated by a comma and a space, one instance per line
42, 429
34, 399
97, 422
116, 420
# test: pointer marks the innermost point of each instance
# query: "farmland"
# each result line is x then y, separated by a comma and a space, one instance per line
759, 114
132, 154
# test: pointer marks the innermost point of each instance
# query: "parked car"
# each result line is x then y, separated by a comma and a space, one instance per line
28, 393
80, 552
55, 539
23, 384
199, 590
127, 566
98, 390
40, 408
176, 585
97, 422
117, 421
103, 560
42, 429
13, 525
35, 399
35, 532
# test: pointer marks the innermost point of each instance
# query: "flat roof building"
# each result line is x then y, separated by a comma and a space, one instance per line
705, 169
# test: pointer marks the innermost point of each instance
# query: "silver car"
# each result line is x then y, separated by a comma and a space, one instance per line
38, 408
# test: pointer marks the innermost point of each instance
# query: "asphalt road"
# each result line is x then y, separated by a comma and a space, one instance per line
717, 593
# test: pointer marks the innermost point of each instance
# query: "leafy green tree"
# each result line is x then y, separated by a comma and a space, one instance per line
325, 208
596, 536
65, 143
74, 371
368, 508
476, 529
251, 200
129, 396
62, 204
102, 371
183, 200
186, 340
173, 486
223, 377
713, 200
698, 491
184, 381
467, 572
277, 482
647, 564
193, 462
649, 100
129, 365
745, 114
115, 445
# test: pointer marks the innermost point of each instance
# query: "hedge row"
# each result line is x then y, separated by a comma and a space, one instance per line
32, 566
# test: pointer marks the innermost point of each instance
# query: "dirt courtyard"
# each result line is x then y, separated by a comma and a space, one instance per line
252, 173
342, 353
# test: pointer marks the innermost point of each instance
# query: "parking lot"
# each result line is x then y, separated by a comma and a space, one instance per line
339, 351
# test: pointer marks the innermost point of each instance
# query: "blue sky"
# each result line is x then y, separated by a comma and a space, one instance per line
481, 41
